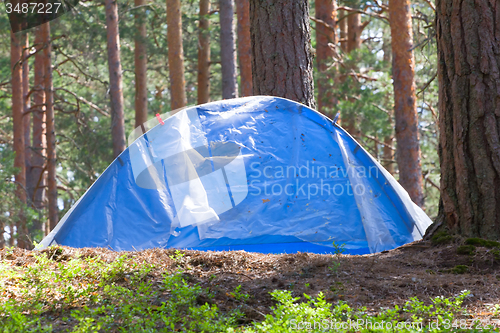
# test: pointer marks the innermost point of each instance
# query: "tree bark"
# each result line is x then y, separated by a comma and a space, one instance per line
175, 55
140, 61
244, 47
115, 78
281, 50
38, 176
469, 116
27, 118
343, 30
204, 53
50, 134
326, 10
388, 153
405, 101
354, 31
227, 49
16, 54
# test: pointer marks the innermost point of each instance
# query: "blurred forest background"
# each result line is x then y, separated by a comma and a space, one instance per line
353, 77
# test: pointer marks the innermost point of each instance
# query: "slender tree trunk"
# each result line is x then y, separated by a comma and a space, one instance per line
115, 78
405, 101
38, 176
343, 30
282, 63
141, 61
244, 47
326, 10
227, 49
204, 53
469, 116
27, 118
354, 31
50, 129
388, 153
175, 55
16, 54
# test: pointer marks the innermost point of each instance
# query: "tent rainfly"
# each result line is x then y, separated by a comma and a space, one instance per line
261, 174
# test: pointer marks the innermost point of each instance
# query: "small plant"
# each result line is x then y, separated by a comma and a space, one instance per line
337, 252
466, 249
238, 295
177, 256
460, 269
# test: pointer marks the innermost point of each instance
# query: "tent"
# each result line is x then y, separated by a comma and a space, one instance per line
261, 174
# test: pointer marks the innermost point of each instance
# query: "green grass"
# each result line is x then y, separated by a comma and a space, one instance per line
91, 295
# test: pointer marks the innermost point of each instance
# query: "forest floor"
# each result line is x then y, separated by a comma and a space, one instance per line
245, 280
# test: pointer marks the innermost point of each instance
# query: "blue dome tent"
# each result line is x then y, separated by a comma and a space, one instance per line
261, 174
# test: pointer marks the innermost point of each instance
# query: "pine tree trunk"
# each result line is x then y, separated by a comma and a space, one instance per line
244, 47
115, 78
140, 61
343, 30
16, 54
405, 101
27, 118
38, 176
469, 116
326, 10
227, 49
388, 153
50, 129
282, 63
204, 53
175, 55
354, 31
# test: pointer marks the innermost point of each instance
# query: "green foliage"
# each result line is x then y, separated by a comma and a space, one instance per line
482, 242
460, 269
441, 237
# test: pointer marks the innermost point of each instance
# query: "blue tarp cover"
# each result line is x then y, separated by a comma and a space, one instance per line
261, 174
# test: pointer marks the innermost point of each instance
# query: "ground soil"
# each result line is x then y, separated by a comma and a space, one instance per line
376, 281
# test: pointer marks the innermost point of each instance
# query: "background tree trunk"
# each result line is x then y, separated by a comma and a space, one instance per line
204, 53
50, 129
388, 153
354, 31
115, 78
16, 54
469, 116
175, 55
141, 62
27, 118
281, 50
343, 30
38, 146
244, 47
405, 100
326, 10
227, 49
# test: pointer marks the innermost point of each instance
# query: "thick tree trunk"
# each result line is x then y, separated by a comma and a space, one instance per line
244, 47
50, 129
16, 54
405, 101
343, 30
115, 78
204, 53
282, 63
140, 61
469, 116
175, 55
38, 175
354, 31
27, 118
326, 10
227, 49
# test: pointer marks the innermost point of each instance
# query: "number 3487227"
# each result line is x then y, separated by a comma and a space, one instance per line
33, 8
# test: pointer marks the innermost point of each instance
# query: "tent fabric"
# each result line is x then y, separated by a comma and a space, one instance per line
260, 173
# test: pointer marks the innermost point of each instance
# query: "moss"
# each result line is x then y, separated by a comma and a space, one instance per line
482, 242
441, 237
460, 269
496, 254
466, 249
